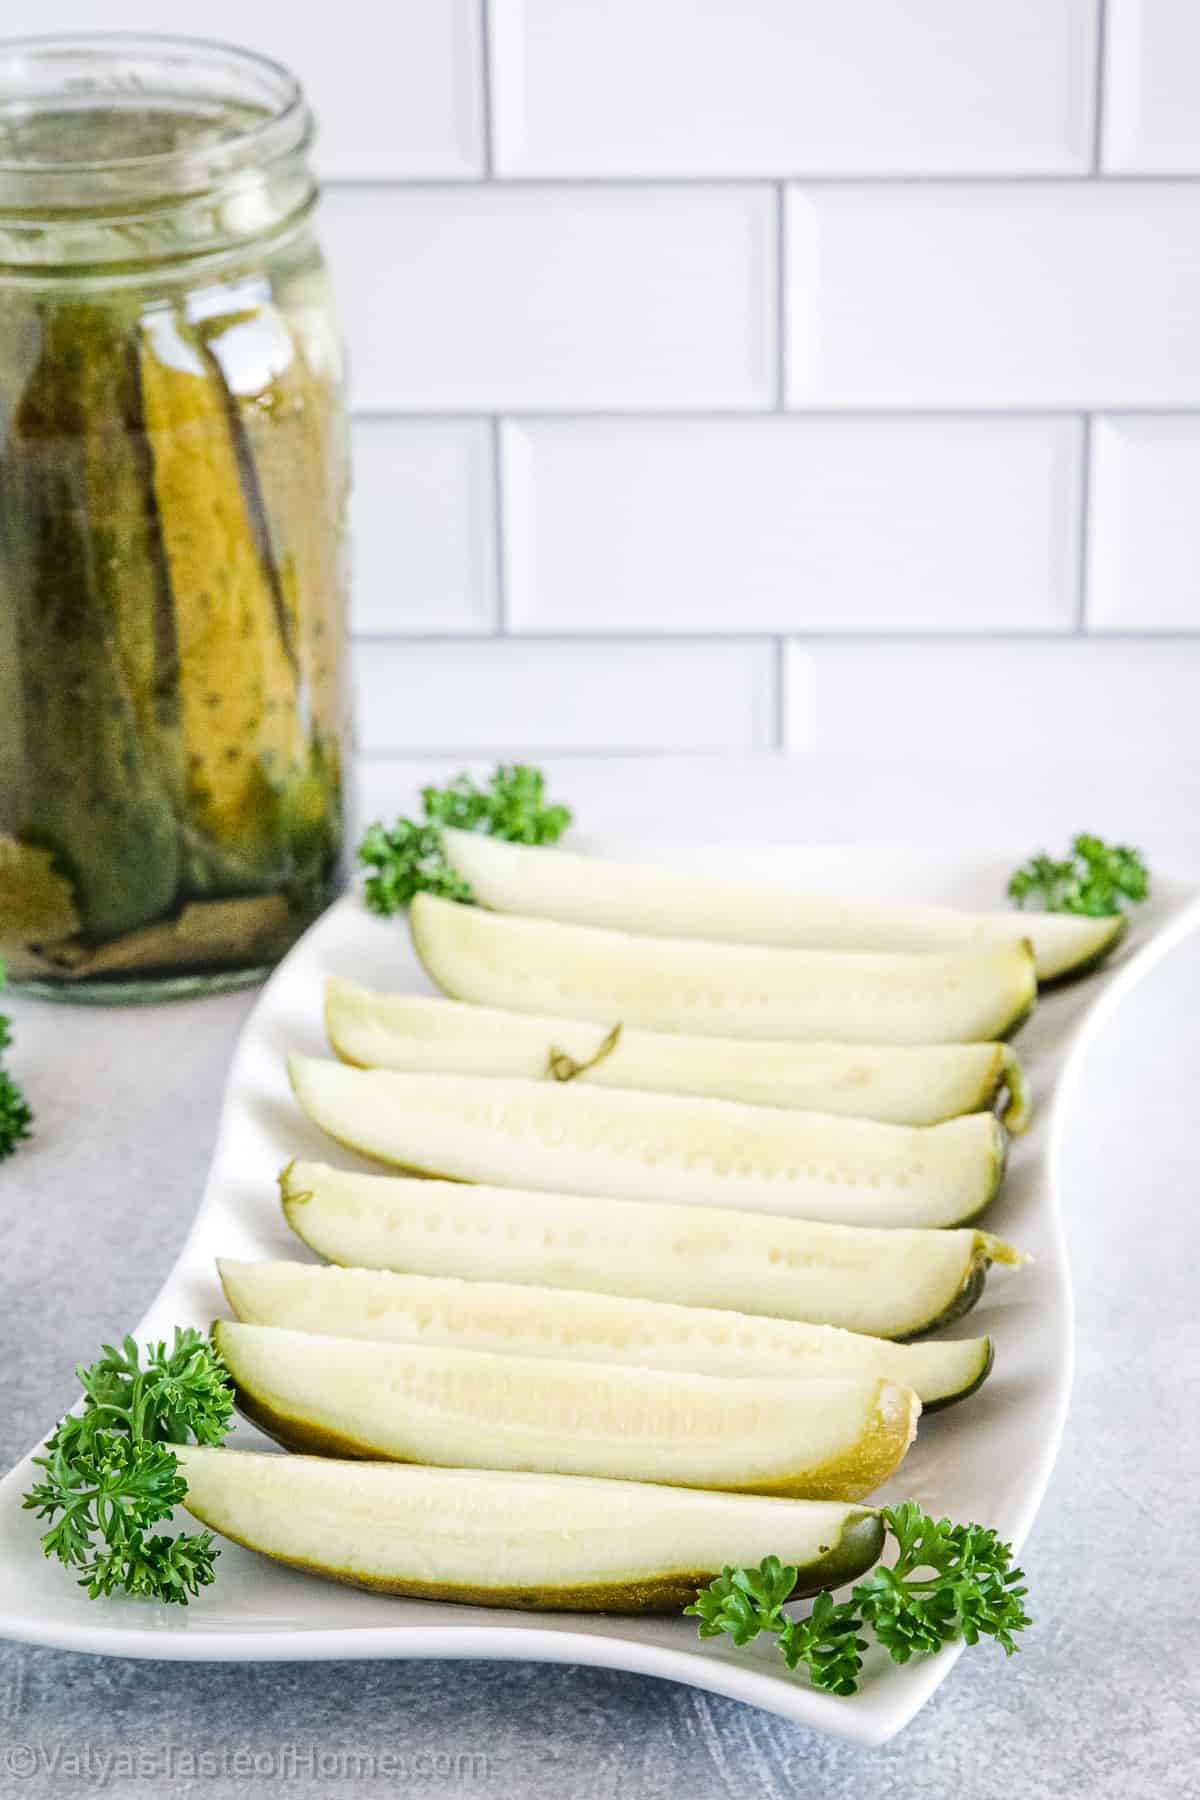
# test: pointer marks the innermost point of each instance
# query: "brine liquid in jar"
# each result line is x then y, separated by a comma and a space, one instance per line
173, 483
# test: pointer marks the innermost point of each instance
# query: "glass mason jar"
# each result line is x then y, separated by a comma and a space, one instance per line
173, 481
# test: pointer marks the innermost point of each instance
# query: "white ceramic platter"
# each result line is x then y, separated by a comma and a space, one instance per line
988, 1459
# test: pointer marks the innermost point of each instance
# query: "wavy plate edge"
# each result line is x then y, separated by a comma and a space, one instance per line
870, 1719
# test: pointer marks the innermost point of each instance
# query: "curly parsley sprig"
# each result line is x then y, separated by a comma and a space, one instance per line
948, 1582
1094, 879
16, 1115
110, 1474
409, 857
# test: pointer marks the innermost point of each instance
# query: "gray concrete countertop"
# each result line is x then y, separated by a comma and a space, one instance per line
1103, 1701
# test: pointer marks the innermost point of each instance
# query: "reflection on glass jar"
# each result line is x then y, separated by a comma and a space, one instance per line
173, 480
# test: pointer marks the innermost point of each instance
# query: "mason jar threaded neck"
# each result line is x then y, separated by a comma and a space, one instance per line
127, 150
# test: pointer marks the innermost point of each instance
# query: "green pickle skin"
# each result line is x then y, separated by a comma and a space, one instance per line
279, 404
289, 438
172, 582
82, 580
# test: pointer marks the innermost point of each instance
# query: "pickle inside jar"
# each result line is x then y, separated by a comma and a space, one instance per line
173, 521
82, 581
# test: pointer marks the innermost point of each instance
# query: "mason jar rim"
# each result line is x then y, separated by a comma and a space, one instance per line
235, 75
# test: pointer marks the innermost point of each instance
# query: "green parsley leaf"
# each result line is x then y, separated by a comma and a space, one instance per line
1094, 879
948, 1582
409, 857
110, 1473
970, 1590
512, 806
827, 1643
16, 1116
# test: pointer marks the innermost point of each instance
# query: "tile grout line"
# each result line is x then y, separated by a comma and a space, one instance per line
1080, 178
781, 305
1098, 80
1050, 638
505, 751
485, 90
1083, 534
498, 533
863, 414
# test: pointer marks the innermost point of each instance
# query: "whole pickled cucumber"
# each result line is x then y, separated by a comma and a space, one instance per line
244, 739
83, 577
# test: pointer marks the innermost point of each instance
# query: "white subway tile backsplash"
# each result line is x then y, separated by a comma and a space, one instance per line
1144, 552
792, 86
1036, 295
584, 239
1151, 121
397, 89
511, 695
778, 524
489, 298
423, 526
961, 700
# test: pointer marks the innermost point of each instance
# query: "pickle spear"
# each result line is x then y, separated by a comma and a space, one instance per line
244, 739
569, 1324
621, 1145
643, 898
295, 453
834, 1437
290, 443
563, 1542
883, 1282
